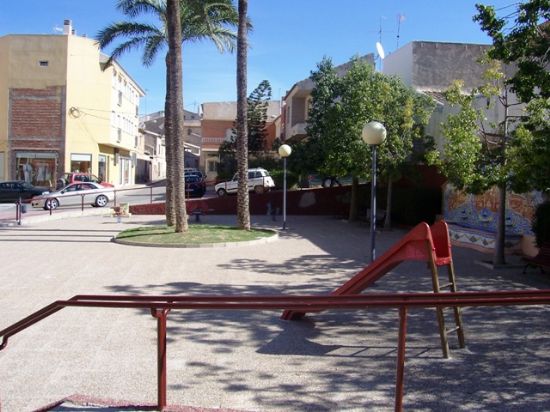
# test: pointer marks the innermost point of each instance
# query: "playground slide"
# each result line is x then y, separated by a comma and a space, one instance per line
422, 243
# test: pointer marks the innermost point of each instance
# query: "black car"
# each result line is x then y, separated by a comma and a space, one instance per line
195, 185
11, 191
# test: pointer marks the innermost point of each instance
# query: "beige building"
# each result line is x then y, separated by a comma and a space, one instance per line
61, 110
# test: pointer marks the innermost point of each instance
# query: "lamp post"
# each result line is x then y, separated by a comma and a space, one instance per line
374, 133
284, 151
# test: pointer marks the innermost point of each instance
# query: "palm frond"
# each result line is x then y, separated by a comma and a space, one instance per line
134, 8
152, 47
123, 30
125, 47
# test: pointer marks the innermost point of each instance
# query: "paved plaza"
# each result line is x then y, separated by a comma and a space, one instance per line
253, 360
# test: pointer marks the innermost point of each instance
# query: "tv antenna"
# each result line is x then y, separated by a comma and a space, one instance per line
400, 18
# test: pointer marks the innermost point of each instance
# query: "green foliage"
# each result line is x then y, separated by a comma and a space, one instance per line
341, 106
529, 153
291, 178
258, 102
521, 37
541, 223
212, 20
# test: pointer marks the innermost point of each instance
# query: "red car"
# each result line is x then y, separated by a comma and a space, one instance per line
75, 177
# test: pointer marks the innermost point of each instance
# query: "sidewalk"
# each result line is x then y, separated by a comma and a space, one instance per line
252, 360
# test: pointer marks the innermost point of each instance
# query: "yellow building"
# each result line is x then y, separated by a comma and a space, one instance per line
61, 110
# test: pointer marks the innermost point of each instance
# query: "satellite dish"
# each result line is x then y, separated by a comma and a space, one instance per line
380, 50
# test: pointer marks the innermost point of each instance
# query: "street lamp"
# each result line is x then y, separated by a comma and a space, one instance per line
374, 134
284, 151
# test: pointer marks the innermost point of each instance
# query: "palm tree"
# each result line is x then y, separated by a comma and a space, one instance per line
175, 102
243, 207
199, 20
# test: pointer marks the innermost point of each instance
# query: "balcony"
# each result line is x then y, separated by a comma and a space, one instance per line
297, 130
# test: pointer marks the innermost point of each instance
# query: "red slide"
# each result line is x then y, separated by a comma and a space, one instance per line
423, 242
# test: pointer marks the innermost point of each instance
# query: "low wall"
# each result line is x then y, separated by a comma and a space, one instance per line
411, 205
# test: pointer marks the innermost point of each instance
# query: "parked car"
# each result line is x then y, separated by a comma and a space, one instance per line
259, 181
75, 177
94, 194
13, 190
195, 186
192, 171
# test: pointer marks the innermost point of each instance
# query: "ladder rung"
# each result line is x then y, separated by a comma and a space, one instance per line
452, 330
446, 285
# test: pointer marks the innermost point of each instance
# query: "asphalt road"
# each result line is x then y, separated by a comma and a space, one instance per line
139, 194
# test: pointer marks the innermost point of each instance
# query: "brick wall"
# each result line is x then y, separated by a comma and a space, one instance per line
36, 121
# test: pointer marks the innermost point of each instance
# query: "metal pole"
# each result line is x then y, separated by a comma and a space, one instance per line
399, 379
151, 197
161, 315
284, 193
373, 207
18, 212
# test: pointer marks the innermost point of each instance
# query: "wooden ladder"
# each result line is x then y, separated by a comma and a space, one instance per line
458, 328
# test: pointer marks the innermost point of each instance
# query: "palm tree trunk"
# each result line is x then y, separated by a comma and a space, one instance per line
354, 200
169, 141
243, 206
387, 220
176, 111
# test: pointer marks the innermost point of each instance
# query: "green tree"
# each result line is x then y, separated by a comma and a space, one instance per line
200, 20
309, 154
521, 37
243, 205
477, 150
341, 106
257, 105
258, 102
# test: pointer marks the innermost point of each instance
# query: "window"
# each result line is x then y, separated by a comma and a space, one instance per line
81, 163
189, 131
212, 166
119, 135
43, 63
37, 168
119, 102
102, 168
136, 141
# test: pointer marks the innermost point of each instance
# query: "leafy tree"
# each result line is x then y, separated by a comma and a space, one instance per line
243, 206
512, 153
309, 154
341, 106
200, 20
521, 37
477, 150
530, 150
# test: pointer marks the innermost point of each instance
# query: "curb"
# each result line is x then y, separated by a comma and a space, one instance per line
272, 238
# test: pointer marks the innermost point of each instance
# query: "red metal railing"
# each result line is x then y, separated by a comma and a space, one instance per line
160, 306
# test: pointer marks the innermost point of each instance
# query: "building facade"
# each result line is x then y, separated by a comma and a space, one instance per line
152, 155
297, 101
62, 109
218, 123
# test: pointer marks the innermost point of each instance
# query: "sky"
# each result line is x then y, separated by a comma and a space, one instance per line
289, 38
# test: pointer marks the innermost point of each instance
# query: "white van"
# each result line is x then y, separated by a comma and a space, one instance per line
259, 181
